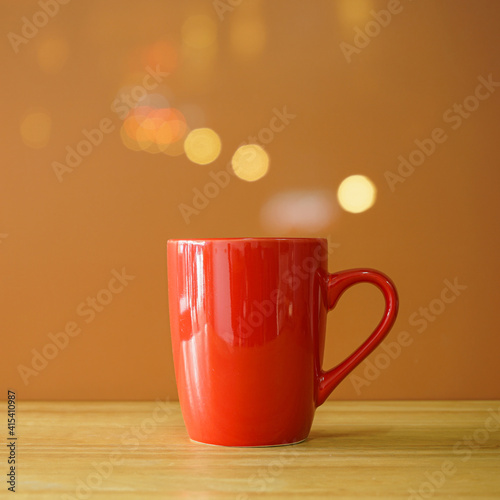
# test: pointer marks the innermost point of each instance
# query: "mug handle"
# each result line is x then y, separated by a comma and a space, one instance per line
334, 286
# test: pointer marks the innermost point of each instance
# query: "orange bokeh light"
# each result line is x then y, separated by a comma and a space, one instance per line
154, 129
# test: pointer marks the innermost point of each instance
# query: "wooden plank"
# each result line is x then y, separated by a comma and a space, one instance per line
128, 450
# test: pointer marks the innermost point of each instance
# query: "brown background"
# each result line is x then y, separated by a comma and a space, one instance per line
61, 241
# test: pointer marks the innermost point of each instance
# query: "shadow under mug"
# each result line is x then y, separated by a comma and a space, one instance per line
248, 322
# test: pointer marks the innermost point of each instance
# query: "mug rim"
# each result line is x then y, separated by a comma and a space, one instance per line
245, 239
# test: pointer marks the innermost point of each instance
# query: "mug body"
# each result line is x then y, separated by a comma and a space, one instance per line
247, 320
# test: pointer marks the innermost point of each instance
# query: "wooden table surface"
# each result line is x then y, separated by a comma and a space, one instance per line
129, 450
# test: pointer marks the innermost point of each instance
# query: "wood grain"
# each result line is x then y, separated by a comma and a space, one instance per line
130, 450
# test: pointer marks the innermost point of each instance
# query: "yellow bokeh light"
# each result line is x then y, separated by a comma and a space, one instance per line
356, 194
199, 32
250, 162
202, 146
52, 54
35, 129
127, 141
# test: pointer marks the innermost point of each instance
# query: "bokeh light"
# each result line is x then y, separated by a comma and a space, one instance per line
199, 53
202, 146
35, 129
153, 130
199, 31
356, 194
250, 162
305, 211
128, 142
52, 54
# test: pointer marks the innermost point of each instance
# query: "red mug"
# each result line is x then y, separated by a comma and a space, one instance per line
248, 321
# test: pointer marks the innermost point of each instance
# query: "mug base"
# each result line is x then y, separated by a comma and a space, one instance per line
248, 445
